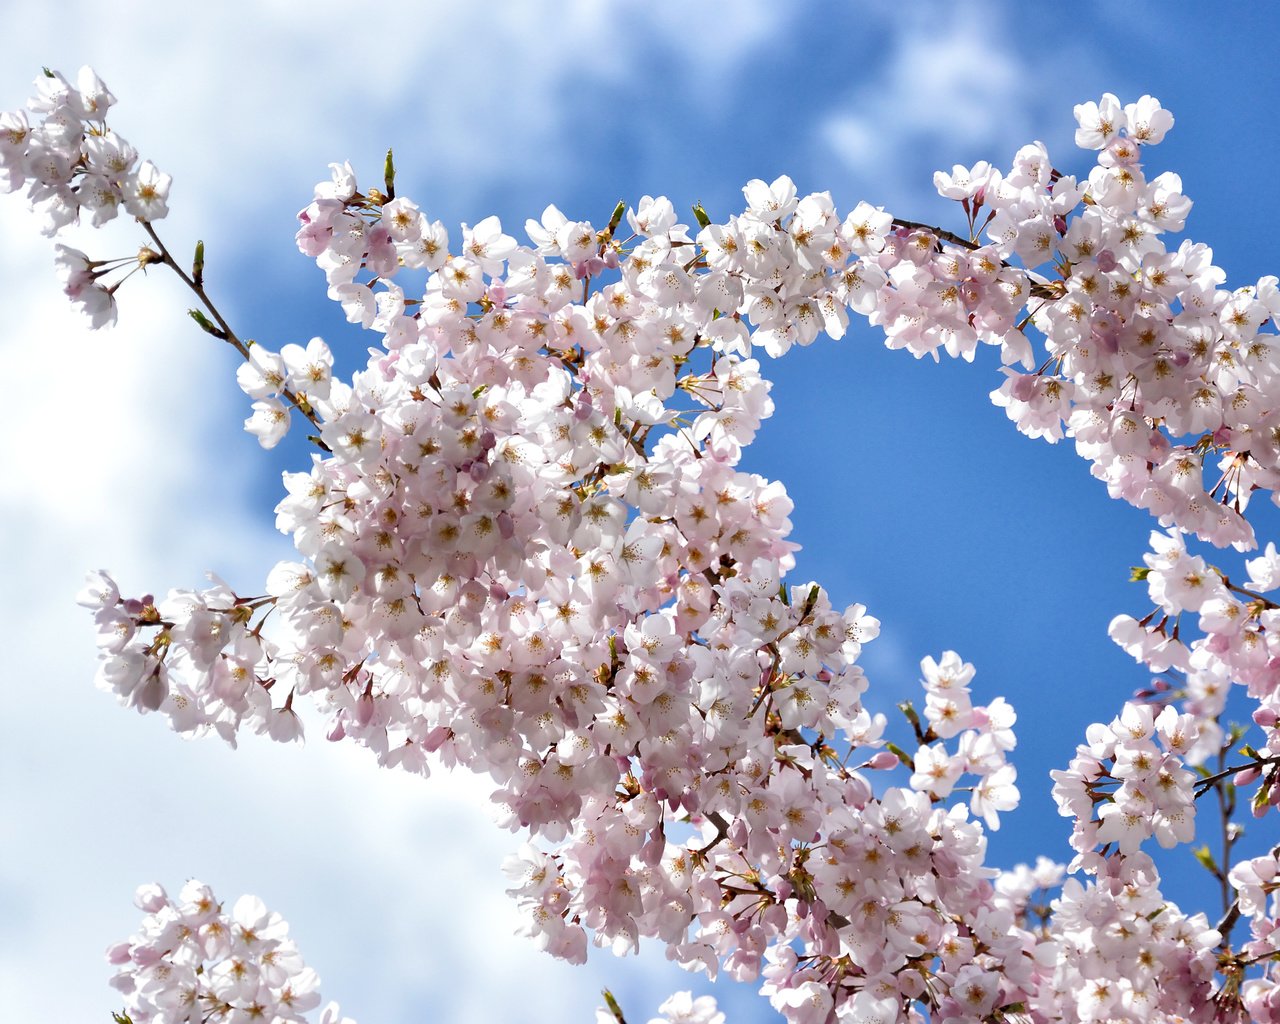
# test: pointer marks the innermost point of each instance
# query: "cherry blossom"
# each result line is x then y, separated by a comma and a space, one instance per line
192, 960
526, 546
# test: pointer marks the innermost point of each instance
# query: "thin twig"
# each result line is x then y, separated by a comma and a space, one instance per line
228, 335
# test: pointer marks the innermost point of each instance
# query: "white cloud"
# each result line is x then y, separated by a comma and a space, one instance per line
256, 100
952, 88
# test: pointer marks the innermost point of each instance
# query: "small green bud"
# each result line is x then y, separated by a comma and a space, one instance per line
701, 215
614, 1008
205, 324
389, 175
616, 218
197, 265
1138, 574
1263, 796
1205, 858
811, 601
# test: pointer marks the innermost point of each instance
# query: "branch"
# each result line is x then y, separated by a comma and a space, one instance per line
224, 331
1232, 915
1207, 782
1039, 291
945, 235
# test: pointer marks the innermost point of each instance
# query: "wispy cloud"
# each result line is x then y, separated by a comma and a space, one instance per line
949, 88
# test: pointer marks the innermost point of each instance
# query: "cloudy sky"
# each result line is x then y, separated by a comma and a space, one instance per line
914, 495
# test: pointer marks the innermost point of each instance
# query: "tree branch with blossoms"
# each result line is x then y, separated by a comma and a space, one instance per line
516, 555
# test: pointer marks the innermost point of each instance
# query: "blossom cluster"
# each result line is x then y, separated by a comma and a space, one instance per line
521, 554
1152, 367
194, 962
1131, 776
985, 736
525, 546
679, 1008
1257, 882
69, 161
1238, 643
1119, 950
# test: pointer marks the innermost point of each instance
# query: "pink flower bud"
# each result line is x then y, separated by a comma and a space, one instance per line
883, 761
435, 739
651, 852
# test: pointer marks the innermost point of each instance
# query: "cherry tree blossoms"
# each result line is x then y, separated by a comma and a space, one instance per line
525, 547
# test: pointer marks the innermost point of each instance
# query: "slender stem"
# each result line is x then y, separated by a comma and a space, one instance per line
1039, 291
722, 830
1206, 783
1227, 922
1226, 807
229, 336
199, 291
1232, 915
946, 236
1266, 602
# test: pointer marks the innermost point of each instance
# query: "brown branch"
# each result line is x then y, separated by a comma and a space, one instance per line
1207, 782
227, 334
1037, 290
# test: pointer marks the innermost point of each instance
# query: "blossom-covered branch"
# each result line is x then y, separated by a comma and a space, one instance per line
527, 549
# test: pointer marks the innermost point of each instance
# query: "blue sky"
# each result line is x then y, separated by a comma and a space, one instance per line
913, 494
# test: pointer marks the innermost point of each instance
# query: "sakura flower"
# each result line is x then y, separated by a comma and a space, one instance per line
309, 370
1099, 122
269, 422
683, 1008
962, 182
79, 276
146, 193
993, 794
1148, 121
